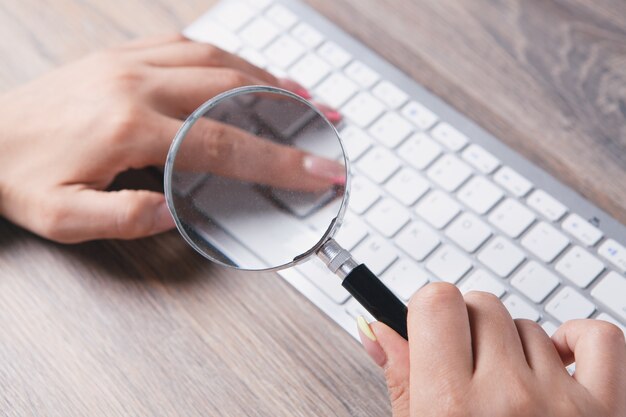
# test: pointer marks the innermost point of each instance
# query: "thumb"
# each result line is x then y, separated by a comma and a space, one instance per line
600, 354
391, 352
127, 214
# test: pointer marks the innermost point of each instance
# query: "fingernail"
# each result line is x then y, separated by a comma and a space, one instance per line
324, 168
333, 116
163, 219
365, 328
294, 87
303, 92
370, 343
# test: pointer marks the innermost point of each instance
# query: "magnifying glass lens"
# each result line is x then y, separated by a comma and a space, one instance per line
256, 179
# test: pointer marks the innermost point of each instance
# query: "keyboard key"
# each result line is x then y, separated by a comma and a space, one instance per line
480, 159
511, 217
568, 304
449, 136
418, 240
501, 256
259, 4
291, 123
376, 252
614, 253
286, 120
548, 206
334, 54
419, 115
320, 219
284, 51
303, 204
579, 266
437, 208
449, 172
355, 142
378, 164
390, 130
276, 71
361, 74
520, 309
232, 15
480, 280
404, 278
388, 217
468, 231
581, 229
611, 319
549, 327
389, 94
317, 273
309, 70
512, 181
545, 241
282, 16
480, 194
535, 281
448, 264
210, 32
308, 35
407, 186
351, 232
363, 195
419, 150
335, 90
362, 109
611, 291
253, 56
259, 33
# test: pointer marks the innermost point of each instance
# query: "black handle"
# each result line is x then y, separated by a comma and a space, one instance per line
376, 298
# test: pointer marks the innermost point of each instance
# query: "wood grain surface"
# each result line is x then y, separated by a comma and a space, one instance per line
150, 328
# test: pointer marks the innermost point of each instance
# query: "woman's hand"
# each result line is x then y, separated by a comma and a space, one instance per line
65, 136
467, 357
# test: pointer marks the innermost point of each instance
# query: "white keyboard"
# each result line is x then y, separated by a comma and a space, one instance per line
434, 197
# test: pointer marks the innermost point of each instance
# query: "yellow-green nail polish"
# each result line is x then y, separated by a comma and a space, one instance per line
364, 327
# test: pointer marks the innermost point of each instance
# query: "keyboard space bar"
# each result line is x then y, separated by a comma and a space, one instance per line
265, 230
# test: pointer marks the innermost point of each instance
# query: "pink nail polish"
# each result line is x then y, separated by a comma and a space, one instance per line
333, 116
302, 92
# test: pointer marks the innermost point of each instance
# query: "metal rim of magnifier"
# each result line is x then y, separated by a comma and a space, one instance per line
199, 113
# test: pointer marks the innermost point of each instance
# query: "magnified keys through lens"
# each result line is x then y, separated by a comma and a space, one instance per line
257, 179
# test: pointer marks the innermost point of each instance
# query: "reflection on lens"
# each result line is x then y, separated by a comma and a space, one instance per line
238, 184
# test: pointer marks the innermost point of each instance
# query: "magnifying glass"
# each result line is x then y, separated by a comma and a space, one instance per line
257, 179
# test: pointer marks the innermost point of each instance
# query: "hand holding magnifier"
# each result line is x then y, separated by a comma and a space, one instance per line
270, 192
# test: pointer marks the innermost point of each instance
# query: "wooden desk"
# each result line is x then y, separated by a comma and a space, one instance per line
150, 328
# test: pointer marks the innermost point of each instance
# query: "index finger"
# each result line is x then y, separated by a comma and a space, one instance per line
228, 151
599, 350
187, 53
